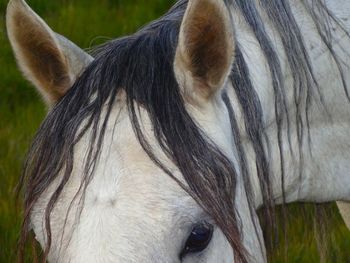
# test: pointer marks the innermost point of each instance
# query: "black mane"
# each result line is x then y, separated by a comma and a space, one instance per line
142, 66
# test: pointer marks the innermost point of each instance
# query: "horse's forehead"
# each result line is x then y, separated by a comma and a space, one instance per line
121, 202
125, 173
126, 177
127, 190
129, 194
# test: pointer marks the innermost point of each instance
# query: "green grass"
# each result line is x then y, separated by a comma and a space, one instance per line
304, 228
88, 23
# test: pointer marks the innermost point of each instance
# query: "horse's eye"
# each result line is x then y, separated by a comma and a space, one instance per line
199, 239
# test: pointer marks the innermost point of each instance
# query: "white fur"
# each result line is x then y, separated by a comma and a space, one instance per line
326, 173
133, 212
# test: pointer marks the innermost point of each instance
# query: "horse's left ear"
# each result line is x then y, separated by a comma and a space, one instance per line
205, 50
50, 61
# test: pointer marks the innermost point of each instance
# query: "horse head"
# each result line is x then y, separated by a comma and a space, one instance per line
134, 162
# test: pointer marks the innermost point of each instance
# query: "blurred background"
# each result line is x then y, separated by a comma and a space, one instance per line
89, 23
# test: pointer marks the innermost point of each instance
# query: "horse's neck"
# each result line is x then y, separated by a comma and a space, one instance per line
324, 174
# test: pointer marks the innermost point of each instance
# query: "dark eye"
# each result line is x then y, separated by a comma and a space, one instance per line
199, 239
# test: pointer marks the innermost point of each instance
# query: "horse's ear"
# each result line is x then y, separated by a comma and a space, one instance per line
205, 50
50, 61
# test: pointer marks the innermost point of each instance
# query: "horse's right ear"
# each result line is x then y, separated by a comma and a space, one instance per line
205, 50
50, 61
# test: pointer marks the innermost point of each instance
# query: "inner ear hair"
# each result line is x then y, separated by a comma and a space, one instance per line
37, 52
50, 61
206, 44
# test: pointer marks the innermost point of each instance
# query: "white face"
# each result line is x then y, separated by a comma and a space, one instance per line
133, 211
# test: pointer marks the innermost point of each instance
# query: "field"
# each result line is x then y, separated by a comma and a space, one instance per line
89, 23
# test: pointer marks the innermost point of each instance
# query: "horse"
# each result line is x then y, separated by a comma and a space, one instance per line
161, 146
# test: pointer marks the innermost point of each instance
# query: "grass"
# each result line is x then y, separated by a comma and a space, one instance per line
89, 23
